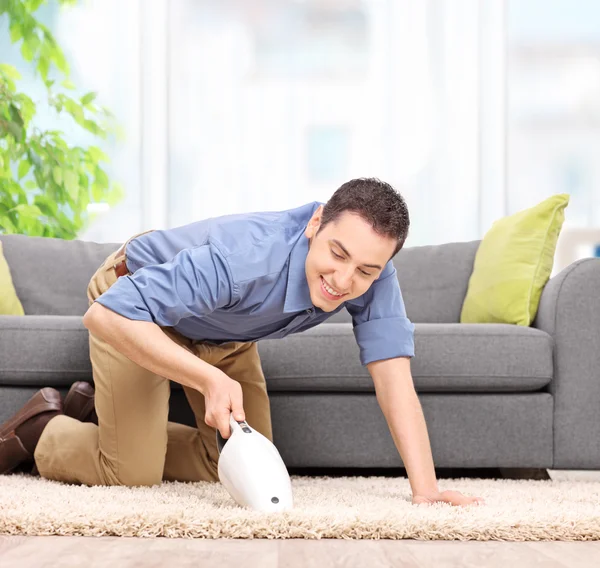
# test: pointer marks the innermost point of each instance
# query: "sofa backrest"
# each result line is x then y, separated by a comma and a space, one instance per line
51, 276
434, 280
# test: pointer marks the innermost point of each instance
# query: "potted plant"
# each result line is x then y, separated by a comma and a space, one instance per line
47, 184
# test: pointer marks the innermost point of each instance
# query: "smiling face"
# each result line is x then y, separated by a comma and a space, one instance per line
361, 256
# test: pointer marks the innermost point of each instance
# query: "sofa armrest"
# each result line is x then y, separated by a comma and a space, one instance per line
569, 311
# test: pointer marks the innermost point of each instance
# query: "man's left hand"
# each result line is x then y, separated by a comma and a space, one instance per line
455, 498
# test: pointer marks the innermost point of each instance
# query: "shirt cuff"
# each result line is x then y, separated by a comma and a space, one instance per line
384, 339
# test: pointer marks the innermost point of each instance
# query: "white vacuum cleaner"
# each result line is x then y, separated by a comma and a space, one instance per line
252, 471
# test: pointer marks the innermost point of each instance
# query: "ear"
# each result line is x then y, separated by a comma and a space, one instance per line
314, 223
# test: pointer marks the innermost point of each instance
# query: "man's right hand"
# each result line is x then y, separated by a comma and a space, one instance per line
222, 396
146, 344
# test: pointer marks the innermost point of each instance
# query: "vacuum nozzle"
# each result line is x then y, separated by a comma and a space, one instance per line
252, 470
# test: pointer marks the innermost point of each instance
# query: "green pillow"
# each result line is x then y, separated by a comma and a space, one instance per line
513, 263
9, 302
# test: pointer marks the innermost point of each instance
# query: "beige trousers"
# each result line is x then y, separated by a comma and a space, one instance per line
134, 443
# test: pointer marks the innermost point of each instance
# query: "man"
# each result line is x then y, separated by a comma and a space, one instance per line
189, 304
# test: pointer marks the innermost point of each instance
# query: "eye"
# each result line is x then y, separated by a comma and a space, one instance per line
341, 257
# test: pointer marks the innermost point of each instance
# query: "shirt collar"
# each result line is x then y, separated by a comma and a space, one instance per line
297, 294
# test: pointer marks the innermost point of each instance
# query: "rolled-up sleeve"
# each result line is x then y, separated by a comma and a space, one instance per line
380, 326
195, 282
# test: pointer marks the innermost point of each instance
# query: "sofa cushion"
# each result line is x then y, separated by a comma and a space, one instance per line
448, 358
54, 351
43, 350
513, 264
51, 275
9, 301
482, 358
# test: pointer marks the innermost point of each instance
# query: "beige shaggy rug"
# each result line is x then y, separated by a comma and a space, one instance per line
324, 507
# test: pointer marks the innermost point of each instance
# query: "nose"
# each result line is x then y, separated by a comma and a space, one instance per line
343, 280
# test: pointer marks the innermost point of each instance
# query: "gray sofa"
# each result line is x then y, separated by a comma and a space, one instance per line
494, 395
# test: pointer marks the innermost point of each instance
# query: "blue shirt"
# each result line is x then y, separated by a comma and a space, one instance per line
242, 278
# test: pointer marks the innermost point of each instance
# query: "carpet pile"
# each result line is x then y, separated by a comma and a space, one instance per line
324, 507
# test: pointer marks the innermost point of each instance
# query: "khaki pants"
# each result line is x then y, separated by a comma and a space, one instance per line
134, 443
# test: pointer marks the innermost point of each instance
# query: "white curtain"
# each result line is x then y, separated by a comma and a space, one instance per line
245, 105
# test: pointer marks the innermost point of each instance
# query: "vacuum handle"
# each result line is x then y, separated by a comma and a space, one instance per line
234, 425
238, 425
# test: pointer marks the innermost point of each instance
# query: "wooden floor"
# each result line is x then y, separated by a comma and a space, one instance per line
119, 552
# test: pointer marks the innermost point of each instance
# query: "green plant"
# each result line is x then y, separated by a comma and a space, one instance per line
46, 184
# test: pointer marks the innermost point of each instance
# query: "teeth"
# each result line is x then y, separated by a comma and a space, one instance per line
330, 290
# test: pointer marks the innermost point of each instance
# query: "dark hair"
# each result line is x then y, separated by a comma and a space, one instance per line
377, 202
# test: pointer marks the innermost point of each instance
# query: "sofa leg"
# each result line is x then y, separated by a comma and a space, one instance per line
523, 473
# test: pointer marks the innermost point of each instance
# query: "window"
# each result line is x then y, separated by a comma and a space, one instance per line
472, 110
274, 104
327, 153
554, 115
554, 105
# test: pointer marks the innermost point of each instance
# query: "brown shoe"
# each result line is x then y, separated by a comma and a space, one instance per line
19, 435
79, 402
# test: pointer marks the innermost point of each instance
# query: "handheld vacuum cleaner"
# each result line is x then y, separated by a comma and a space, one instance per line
251, 469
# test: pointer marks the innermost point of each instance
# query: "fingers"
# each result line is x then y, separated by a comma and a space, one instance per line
223, 425
458, 498
477, 501
454, 498
223, 419
224, 399
237, 408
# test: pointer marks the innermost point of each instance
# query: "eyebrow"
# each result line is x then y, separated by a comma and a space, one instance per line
349, 256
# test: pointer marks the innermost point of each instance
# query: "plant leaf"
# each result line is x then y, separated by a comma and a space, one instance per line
47, 206
88, 98
101, 178
16, 33
71, 180
97, 154
15, 115
57, 175
10, 71
24, 168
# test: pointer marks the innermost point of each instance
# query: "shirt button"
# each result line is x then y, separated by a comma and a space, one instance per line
309, 311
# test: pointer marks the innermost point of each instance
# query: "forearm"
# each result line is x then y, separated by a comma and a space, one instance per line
402, 410
148, 346
404, 415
